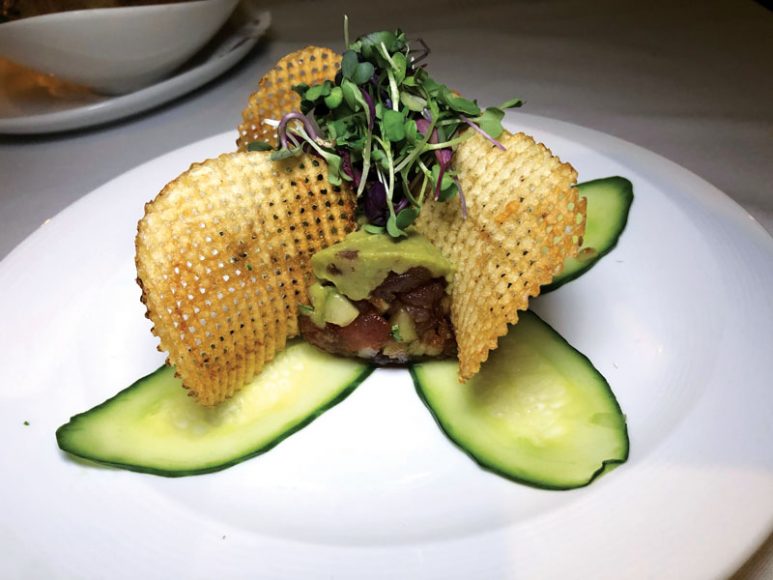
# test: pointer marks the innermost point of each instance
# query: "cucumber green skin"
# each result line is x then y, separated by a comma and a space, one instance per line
606, 242
63, 432
458, 439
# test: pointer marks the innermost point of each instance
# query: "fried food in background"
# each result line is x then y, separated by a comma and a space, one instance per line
524, 217
275, 96
22, 84
223, 260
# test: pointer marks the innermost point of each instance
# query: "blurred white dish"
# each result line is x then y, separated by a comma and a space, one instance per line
114, 50
32, 103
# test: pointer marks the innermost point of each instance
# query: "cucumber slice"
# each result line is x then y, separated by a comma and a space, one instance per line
608, 202
538, 412
153, 426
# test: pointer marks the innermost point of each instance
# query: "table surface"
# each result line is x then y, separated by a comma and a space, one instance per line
692, 83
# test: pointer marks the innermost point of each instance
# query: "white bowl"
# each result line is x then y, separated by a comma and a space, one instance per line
114, 50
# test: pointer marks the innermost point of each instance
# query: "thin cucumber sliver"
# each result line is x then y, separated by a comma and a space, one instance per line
538, 412
608, 204
153, 426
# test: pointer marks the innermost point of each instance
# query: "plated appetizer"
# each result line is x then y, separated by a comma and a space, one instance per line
384, 219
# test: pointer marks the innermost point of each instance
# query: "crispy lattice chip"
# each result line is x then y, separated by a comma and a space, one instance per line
275, 97
223, 261
524, 218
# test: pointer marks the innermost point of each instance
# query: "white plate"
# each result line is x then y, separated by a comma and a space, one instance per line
677, 317
32, 103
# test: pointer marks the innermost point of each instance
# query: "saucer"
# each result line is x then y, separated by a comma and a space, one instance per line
35, 103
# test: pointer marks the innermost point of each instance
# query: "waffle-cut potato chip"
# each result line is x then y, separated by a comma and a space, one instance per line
275, 96
223, 262
524, 218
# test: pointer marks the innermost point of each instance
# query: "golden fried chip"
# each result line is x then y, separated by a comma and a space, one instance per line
524, 218
275, 97
223, 261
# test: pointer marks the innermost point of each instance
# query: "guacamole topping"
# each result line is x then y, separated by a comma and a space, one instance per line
361, 261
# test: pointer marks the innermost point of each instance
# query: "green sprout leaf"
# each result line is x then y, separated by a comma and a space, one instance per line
491, 121
318, 91
351, 94
411, 131
378, 156
428, 84
349, 64
363, 73
379, 78
333, 168
413, 102
370, 42
406, 217
335, 98
259, 146
460, 104
401, 65
394, 125
511, 104
393, 229
286, 153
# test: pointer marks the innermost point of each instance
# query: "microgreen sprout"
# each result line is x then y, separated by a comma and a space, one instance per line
388, 127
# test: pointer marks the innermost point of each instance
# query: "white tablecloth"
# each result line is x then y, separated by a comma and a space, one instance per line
690, 81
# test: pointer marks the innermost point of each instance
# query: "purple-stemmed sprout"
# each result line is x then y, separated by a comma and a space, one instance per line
384, 157
402, 204
308, 133
375, 203
371, 108
443, 156
347, 167
308, 125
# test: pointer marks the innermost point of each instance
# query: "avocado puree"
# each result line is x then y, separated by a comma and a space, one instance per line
361, 261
